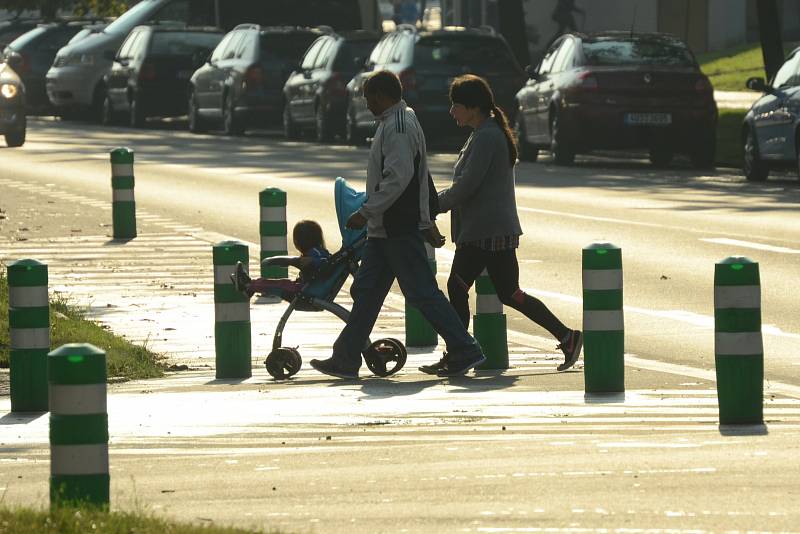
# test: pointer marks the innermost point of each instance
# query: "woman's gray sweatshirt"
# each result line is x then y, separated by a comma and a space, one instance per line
482, 199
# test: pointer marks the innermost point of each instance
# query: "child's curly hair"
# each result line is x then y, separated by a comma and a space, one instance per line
306, 235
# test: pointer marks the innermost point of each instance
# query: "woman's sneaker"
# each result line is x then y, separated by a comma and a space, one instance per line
241, 280
571, 347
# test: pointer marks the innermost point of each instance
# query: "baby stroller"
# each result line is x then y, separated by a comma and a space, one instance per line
383, 357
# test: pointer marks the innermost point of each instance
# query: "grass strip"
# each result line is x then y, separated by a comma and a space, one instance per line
68, 324
80, 521
729, 69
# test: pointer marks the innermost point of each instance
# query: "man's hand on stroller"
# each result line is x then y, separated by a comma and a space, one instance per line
433, 236
356, 221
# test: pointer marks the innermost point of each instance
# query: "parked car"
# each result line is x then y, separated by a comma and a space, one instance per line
151, 71
13, 122
241, 84
86, 31
426, 62
75, 81
617, 90
770, 129
316, 93
37, 49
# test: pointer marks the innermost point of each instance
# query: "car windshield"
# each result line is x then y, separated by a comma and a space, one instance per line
183, 43
637, 51
478, 54
131, 18
281, 48
26, 38
351, 50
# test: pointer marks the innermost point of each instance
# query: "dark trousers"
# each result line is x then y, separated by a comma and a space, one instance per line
469, 262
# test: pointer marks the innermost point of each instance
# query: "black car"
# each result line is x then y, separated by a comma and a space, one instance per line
241, 84
618, 90
13, 122
426, 62
316, 93
151, 71
770, 130
37, 49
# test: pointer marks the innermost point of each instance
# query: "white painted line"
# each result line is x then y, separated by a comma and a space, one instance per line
749, 244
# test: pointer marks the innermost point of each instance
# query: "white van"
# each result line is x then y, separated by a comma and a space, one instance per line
75, 81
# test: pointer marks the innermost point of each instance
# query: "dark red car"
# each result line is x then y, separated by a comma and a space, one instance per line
618, 90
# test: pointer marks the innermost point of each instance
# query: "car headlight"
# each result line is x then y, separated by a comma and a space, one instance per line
8, 90
79, 59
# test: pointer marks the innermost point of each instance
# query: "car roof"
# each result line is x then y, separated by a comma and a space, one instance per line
629, 36
179, 28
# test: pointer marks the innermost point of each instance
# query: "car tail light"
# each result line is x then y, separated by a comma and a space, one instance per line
408, 79
703, 85
336, 85
587, 81
254, 76
147, 72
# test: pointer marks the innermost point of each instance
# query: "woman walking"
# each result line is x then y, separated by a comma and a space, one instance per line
484, 222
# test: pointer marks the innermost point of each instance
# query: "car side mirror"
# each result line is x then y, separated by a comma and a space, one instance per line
532, 72
15, 61
758, 84
110, 55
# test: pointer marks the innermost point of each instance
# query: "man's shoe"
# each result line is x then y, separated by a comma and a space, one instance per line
241, 279
434, 368
332, 368
571, 348
461, 366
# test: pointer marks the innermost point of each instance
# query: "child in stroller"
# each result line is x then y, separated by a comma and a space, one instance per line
321, 277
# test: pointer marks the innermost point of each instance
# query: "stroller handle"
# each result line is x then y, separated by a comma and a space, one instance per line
282, 261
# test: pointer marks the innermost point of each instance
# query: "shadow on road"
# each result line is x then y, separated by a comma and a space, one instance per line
21, 418
743, 430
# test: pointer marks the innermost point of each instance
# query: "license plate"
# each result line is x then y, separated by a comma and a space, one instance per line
648, 119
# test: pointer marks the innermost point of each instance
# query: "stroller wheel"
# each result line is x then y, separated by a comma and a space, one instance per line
385, 357
283, 362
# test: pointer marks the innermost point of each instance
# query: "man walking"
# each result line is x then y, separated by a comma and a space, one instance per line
396, 214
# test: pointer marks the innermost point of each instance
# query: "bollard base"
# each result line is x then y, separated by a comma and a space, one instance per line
740, 389
80, 490
233, 355
28, 380
419, 332
604, 361
490, 332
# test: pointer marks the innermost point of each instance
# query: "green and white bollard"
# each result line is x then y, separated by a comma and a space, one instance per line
29, 330
489, 324
419, 332
603, 320
273, 231
738, 346
123, 207
231, 313
78, 426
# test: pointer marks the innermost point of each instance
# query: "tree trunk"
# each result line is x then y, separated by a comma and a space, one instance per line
769, 30
512, 25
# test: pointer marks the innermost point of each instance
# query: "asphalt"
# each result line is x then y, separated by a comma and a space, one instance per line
521, 450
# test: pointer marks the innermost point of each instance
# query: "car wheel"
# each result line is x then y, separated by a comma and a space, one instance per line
95, 112
661, 156
527, 152
16, 136
704, 154
230, 123
196, 124
109, 115
136, 113
323, 124
562, 152
755, 170
290, 128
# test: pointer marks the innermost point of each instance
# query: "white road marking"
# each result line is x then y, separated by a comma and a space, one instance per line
749, 244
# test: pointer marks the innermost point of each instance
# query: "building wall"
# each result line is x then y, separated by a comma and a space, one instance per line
727, 23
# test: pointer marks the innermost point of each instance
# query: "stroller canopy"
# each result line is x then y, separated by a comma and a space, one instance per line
348, 200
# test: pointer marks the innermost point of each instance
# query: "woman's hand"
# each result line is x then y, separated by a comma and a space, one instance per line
434, 237
356, 221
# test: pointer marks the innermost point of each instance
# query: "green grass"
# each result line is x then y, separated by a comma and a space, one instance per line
729, 143
72, 521
729, 69
68, 324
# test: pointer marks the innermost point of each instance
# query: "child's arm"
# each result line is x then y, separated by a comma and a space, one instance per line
287, 261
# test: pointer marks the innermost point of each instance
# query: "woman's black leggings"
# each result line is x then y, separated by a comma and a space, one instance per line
469, 262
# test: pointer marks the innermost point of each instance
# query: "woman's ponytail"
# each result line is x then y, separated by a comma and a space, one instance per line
511, 140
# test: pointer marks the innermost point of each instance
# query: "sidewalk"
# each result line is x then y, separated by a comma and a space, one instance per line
736, 99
